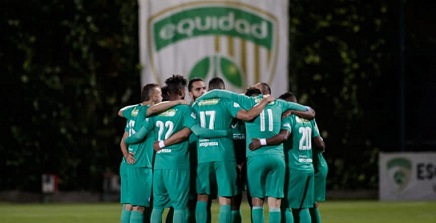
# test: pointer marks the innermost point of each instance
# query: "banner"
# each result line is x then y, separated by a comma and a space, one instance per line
407, 176
242, 41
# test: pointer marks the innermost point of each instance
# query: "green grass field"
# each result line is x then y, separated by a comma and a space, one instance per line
332, 212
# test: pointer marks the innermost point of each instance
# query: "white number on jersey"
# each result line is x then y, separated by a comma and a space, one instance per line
270, 120
306, 138
131, 129
211, 115
168, 126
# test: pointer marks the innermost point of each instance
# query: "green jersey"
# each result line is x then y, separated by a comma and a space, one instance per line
143, 152
266, 125
299, 146
217, 114
165, 124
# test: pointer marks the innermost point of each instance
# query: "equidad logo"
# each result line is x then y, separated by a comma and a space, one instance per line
399, 170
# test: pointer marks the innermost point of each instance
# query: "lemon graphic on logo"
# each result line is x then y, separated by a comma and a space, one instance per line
217, 66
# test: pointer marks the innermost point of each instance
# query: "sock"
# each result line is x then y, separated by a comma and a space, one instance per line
305, 216
209, 214
225, 214
274, 215
201, 212
179, 216
136, 217
156, 215
315, 215
257, 214
236, 216
287, 216
125, 216
170, 216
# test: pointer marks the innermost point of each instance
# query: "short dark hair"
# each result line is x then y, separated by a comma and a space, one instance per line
175, 84
252, 91
146, 91
195, 79
165, 96
266, 89
216, 83
287, 95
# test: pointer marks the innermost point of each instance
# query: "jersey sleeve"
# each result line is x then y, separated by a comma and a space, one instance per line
287, 124
189, 117
147, 126
210, 133
292, 106
127, 111
241, 99
315, 132
232, 107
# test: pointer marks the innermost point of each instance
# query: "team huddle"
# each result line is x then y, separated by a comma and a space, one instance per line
181, 154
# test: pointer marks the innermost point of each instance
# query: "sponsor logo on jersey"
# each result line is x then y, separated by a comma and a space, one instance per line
301, 120
169, 113
164, 151
213, 101
207, 143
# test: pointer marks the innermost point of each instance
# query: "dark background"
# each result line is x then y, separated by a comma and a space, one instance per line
367, 67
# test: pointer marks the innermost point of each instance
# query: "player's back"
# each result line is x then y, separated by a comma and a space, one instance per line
166, 124
218, 114
135, 116
266, 125
299, 145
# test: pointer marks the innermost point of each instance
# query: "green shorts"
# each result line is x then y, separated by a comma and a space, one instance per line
171, 188
266, 175
320, 183
300, 191
124, 198
223, 173
139, 184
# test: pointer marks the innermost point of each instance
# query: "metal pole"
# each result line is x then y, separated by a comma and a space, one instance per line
401, 79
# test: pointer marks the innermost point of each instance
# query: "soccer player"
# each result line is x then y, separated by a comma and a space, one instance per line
127, 159
136, 178
196, 88
217, 155
265, 166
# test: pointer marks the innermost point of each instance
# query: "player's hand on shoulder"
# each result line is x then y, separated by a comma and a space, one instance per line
269, 97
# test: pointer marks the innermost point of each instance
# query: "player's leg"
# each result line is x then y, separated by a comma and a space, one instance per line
177, 182
140, 200
256, 185
226, 176
274, 185
124, 194
203, 191
160, 197
301, 194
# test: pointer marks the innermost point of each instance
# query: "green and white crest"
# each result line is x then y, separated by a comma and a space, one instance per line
235, 40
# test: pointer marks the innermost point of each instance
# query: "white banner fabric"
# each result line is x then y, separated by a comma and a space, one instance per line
242, 41
407, 176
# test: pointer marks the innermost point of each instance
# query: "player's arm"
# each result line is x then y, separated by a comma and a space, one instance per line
298, 107
238, 98
165, 105
175, 138
275, 140
317, 139
128, 156
141, 134
319, 143
254, 111
211, 133
122, 112
309, 114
